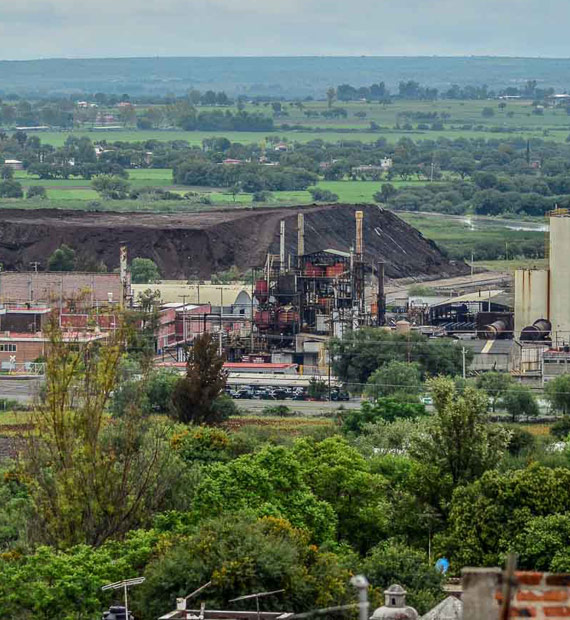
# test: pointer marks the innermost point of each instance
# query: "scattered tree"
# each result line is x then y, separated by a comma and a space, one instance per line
36, 191
63, 259
144, 271
111, 187
557, 392
195, 395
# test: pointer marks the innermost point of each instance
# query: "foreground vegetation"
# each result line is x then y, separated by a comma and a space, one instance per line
129, 471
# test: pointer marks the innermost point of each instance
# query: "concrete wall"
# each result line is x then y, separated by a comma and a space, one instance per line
49, 287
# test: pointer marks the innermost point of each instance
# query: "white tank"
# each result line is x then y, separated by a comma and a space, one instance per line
560, 278
531, 297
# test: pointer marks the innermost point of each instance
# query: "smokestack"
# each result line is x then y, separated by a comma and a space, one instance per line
282, 248
123, 272
359, 215
381, 299
300, 234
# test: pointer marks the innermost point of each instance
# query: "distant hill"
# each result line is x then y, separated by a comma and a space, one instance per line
280, 76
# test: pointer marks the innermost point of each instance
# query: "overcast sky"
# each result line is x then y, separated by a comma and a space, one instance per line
105, 28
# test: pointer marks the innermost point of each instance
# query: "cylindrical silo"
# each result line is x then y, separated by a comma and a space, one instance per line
560, 278
531, 297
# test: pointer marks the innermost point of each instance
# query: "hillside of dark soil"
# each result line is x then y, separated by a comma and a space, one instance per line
200, 244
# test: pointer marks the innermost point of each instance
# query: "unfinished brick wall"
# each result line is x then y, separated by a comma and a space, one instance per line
534, 595
49, 287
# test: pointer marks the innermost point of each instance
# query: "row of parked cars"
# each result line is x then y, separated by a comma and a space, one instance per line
256, 392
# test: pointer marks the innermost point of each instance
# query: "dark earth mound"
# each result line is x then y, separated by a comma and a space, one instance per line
200, 244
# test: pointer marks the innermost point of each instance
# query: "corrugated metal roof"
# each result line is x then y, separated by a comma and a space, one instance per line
495, 296
489, 347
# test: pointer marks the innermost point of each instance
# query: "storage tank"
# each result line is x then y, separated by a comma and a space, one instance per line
560, 278
532, 291
539, 330
261, 290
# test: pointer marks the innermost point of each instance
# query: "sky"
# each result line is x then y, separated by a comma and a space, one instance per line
111, 28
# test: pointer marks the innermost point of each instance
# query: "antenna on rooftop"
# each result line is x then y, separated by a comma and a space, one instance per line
124, 585
256, 596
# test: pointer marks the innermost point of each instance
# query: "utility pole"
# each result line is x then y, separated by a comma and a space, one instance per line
463, 361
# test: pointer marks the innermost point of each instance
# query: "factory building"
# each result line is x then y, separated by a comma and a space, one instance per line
542, 307
321, 292
542, 296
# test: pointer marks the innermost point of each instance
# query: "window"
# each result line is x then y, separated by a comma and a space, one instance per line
8, 348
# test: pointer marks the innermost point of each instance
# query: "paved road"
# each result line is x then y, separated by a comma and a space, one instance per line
302, 407
22, 389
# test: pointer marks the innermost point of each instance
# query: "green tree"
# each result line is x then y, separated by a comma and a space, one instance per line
340, 476
557, 392
11, 189
111, 187
268, 482
317, 389
393, 562
322, 195
144, 271
36, 191
400, 380
240, 554
487, 516
561, 428
194, 395
89, 480
6, 172
331, 96
63, 259
385, 409
519, 400
361, 352
459, 441
495, 385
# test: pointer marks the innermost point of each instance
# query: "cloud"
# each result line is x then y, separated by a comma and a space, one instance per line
40, 28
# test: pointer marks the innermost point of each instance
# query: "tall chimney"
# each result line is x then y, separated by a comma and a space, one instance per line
359, 215
300, 234
123, 273
282, 248
381, 299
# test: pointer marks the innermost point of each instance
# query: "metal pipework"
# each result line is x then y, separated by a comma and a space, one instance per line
539, 330
494, 330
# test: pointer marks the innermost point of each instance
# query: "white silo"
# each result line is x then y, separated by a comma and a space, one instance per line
560, 277
531, 297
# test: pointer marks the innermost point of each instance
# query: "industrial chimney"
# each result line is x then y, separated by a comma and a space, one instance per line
300, 234
123, 274
282, 248
359, 215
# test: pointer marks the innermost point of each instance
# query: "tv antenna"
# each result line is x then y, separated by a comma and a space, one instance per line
124, 585
256, 596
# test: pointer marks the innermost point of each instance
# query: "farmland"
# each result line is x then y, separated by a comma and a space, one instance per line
395, 121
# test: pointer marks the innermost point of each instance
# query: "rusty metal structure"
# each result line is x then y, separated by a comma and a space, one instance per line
321, 292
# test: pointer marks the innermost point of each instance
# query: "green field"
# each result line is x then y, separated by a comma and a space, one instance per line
79, 189
462, 119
